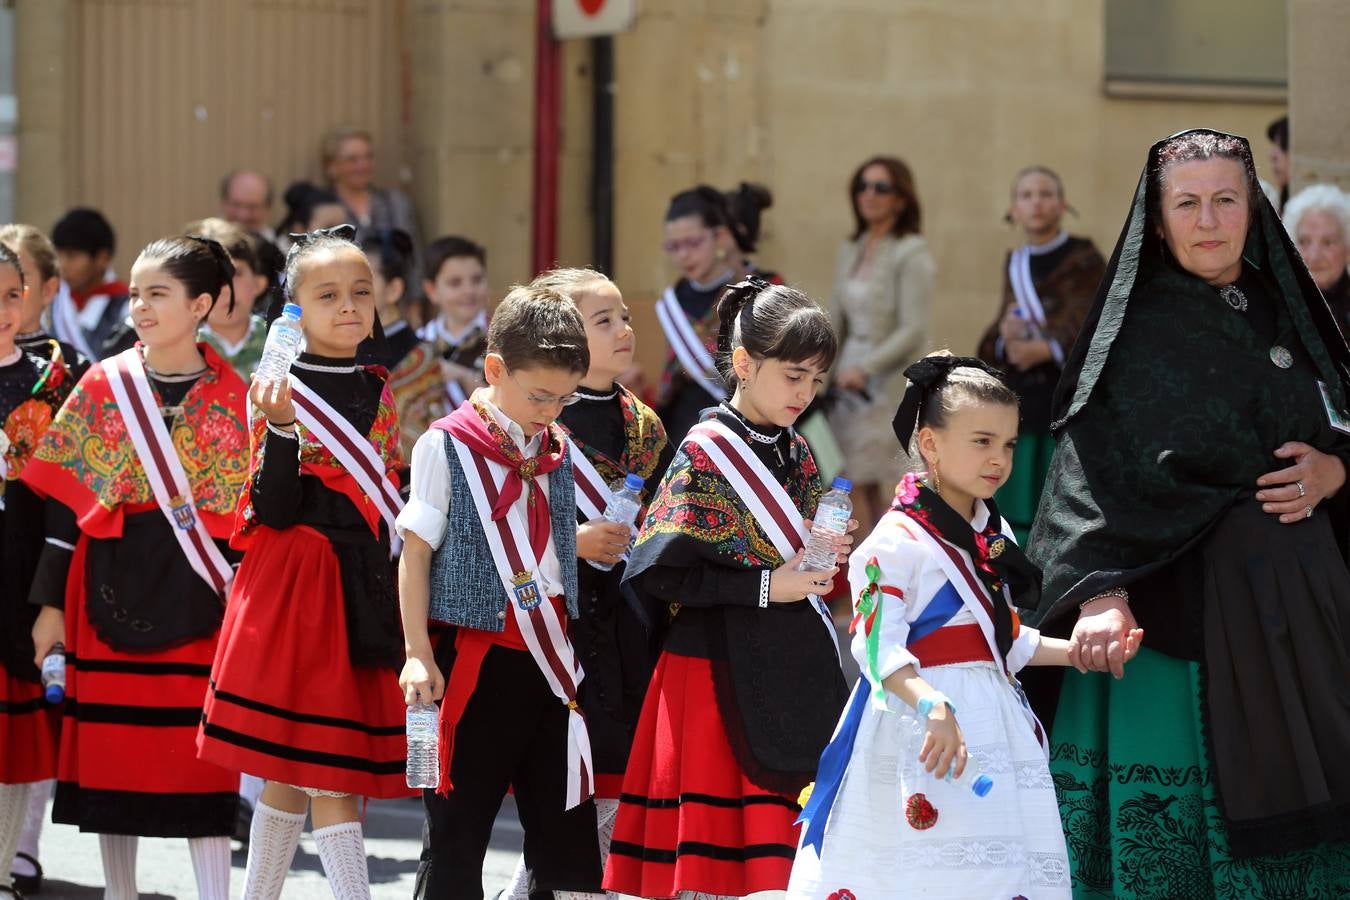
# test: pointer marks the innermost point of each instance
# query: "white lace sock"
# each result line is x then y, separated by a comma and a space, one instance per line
211, 866
272, 839
13, 811
119, 866
39, 792
342, 850
605, 813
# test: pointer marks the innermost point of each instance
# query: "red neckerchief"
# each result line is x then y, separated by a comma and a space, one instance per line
111, 288
475, 425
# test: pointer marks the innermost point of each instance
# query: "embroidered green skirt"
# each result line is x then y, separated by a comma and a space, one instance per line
1018, 499
1138, 802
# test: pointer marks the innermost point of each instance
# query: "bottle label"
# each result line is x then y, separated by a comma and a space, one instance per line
832, 518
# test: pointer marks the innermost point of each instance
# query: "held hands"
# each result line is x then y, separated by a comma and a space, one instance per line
1027, 354
1293, 493
1105, 637
274, 399
851, 379
420, 679
787, 585
48, 631
944, 747
468, 379
1013, 327
602, 541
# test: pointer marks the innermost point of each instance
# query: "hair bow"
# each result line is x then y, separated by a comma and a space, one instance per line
344, 231
925, 376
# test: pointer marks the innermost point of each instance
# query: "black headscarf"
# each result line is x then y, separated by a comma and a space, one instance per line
1170, 408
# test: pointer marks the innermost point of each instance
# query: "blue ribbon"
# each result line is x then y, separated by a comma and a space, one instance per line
946, 603
830, 774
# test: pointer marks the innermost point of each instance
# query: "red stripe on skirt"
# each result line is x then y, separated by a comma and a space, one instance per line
686, 800
287, 705
29, 731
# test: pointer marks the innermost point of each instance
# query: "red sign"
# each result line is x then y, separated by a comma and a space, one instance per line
592, 18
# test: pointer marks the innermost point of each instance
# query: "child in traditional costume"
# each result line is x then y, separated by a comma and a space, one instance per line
612, 434
303, 687
142, 467
491, 552
936, 637
748, 683
235, 331
42, 284
390, 251
33, 385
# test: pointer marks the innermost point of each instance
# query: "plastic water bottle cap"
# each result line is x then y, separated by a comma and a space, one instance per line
841, 483
55, 693
633, 482
291, 311
982, 785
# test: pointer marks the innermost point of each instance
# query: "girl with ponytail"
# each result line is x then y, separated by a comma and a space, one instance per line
748, 686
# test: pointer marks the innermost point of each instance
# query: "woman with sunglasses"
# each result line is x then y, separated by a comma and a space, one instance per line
883, 288
708, 235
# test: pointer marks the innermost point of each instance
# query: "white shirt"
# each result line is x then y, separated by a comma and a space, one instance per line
428, 509
436, 330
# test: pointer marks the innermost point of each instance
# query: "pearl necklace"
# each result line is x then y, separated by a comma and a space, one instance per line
581, 392
319, 367
754, 435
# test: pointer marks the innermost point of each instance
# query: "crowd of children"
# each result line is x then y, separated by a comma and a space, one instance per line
239, 572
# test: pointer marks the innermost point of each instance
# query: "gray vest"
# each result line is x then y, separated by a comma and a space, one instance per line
465, 587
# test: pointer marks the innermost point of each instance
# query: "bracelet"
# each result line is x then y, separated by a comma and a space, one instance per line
1118, 593
281, 424
288, 435
764, 577
926, 703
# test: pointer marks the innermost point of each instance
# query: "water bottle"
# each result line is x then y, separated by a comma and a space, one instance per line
284, 340
831, 522
979, 783
623, 509
424, 746
54, 673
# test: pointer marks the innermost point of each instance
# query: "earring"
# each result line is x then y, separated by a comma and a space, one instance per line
721, 255
935, 477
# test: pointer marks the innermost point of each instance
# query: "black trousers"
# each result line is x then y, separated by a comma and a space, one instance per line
513, 734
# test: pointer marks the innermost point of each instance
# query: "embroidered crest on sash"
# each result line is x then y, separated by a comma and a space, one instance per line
528, 595
184, 516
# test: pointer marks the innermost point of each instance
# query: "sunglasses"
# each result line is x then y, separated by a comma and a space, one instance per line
689, 243
880, 188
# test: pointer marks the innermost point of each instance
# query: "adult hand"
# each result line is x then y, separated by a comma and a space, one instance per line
602, 541
48, 631
851, 379
1013, 327
1293, 493
1101, 636
274, 399
787, 585
421, 679
467, 378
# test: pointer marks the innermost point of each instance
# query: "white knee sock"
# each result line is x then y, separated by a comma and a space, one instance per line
39, 792
342, 850
119, 866
211, 866
272, 839
13, 811
251, 788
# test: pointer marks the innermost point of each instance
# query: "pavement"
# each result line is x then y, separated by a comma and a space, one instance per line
393, 830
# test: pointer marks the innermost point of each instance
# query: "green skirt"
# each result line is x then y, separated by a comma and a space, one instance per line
1138, 804
1018, 499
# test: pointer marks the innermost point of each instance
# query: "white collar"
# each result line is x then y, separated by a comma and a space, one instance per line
232, 350
513, 431
981, 519
1049, 246
436, 329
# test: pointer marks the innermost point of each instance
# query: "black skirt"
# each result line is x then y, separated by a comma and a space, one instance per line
1276, 625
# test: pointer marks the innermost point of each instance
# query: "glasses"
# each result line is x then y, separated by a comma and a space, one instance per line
689, 243
880, 188
547, 399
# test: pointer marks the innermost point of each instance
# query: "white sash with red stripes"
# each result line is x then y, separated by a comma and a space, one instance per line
455, 393
352, 449
767, 500
168, 479
1028, 300
959, 569
540, 625
688, 346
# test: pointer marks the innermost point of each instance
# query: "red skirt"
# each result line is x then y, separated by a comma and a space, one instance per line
285, 702
29, 730
128, 737
689, 819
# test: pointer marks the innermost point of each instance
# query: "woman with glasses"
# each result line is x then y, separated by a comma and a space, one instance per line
707, 235
883, 287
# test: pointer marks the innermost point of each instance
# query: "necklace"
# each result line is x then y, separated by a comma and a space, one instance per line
757, 436
176, 377
598, 398
1233, 296
28, 336
319, 367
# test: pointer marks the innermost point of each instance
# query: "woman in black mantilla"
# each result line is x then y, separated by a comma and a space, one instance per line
1195, 491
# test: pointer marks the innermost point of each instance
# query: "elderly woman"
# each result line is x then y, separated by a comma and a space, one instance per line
1318, 219
1202, 446
883, 288
348, 157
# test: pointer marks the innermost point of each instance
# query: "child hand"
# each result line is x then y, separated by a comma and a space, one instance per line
944, 747
787, 585
48, 631
421, 680
274, 399
602, 541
